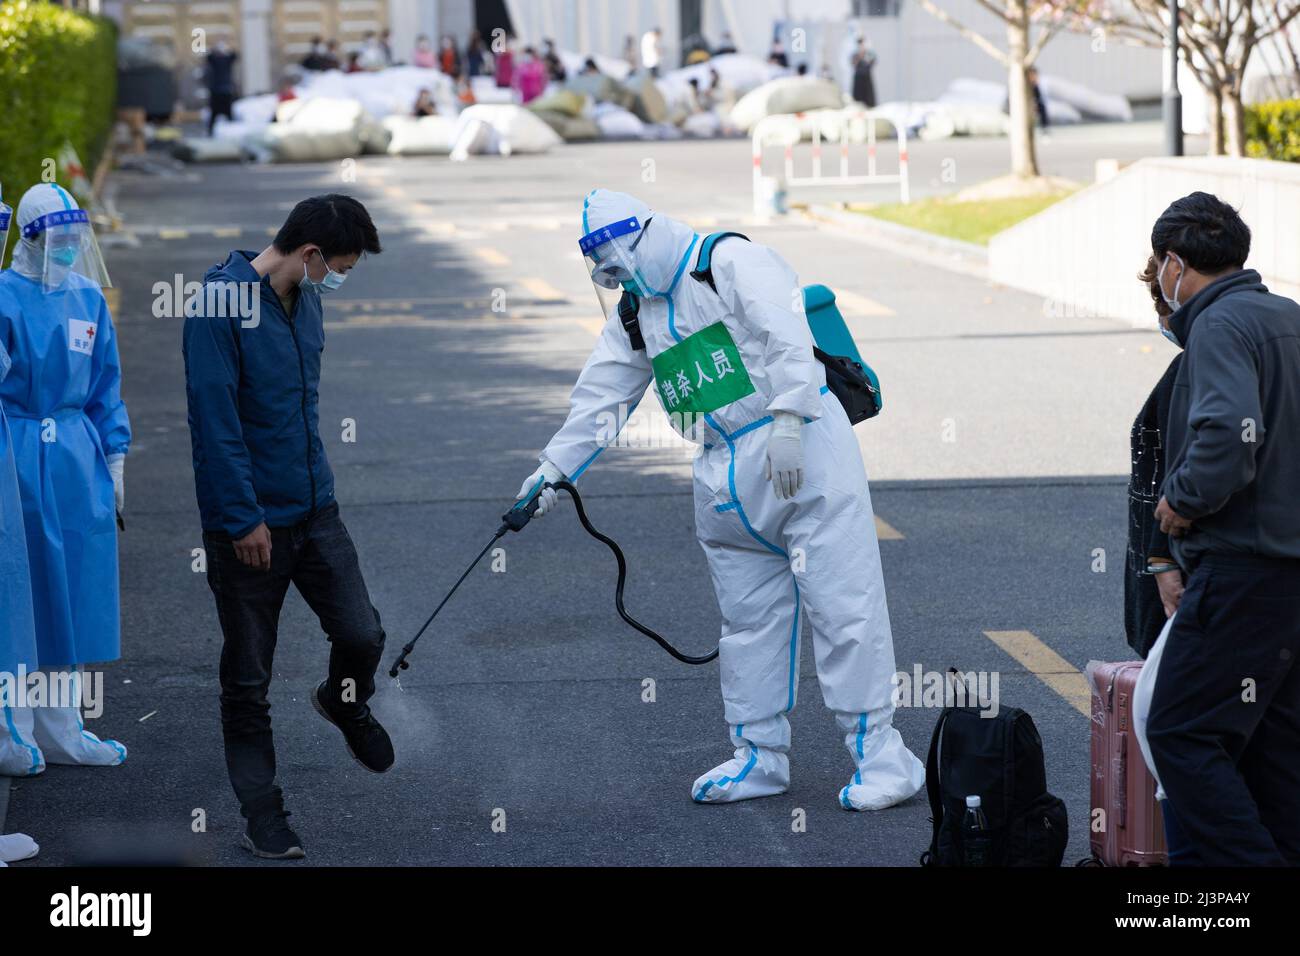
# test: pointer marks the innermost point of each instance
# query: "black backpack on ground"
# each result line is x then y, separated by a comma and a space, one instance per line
1000, 759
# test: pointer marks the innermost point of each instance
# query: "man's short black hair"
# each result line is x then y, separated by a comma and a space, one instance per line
338, 224
1205, 232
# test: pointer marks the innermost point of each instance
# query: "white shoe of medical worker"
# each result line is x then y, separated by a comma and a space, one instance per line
17, 846
753, 772
888, 773
19, 755
64, 739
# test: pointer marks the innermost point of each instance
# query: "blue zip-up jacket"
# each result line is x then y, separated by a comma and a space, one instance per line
252, 384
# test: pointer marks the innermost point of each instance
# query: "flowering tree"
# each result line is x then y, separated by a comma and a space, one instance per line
1030, 24
1217, 38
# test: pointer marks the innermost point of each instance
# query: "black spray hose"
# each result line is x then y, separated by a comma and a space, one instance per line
572, 492
515, 520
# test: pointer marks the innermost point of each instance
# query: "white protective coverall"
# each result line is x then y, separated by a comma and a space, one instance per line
771, 559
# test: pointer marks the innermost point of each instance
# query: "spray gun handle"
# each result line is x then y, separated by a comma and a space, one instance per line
517, 517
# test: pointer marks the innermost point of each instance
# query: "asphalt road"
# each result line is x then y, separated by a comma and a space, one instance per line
998, 471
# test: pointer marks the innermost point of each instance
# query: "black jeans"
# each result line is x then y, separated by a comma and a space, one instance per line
320, 560
1224, 726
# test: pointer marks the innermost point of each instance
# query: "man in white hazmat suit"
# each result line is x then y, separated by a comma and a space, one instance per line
782, 508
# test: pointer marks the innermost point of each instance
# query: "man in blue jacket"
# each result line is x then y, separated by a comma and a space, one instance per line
252, 346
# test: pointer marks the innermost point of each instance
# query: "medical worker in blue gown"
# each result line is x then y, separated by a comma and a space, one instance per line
18, 632
70, 436
18, 636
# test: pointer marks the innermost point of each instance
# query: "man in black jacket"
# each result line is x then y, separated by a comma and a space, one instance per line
1224, 726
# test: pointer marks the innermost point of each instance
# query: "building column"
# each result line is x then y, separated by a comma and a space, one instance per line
255, 47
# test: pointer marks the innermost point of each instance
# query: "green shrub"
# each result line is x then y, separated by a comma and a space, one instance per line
58, 83
1273, 130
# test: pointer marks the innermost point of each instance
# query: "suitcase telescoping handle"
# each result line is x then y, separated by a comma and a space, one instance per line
1121, 784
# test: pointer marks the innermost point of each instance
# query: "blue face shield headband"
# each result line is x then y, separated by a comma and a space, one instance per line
603, 260
61, 217
609, 259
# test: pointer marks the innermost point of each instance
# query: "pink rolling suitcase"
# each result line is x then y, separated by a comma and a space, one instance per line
1125, 826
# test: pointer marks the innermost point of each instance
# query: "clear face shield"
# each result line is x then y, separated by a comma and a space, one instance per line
608, 255
69, 247
6, 215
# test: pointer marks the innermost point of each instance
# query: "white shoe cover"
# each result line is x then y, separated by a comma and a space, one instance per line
65, 740
19, 755
17, 846
888, 773
753, 772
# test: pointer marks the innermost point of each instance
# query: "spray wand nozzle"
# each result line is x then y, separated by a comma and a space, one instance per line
513, 520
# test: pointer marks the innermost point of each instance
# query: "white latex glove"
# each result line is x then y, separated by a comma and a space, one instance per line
116, 468
785, 454
548, 499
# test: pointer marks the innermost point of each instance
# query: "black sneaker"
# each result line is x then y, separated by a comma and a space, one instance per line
268, 836
365, 737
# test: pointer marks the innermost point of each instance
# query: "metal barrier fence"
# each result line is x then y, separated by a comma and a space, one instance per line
767, 127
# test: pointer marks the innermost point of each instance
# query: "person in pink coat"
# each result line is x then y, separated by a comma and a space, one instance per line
531, 79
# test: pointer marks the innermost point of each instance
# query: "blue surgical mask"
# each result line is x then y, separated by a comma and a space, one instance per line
1167, 333
64, 255
329, 284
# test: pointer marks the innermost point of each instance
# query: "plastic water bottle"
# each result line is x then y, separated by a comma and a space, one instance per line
975, 834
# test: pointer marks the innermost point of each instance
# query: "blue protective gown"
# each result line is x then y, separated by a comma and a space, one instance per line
63, 399
17, 629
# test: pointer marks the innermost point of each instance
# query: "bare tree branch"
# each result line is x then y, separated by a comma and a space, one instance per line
999, 10
977, 38
1044, 34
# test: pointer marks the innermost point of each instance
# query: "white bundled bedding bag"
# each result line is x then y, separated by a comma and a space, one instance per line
423, 136
790, 94
310, 130
501, 129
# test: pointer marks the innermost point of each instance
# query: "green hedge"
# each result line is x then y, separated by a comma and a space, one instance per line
58, 83
1273, 130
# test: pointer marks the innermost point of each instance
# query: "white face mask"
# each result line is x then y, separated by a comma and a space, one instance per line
1171, 299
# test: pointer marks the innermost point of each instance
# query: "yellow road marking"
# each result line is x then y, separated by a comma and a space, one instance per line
394, 192
493, 257
887, 532
226, 232
541, 288
1047, 665
114, 299
854, 304
594, 326
173, 233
